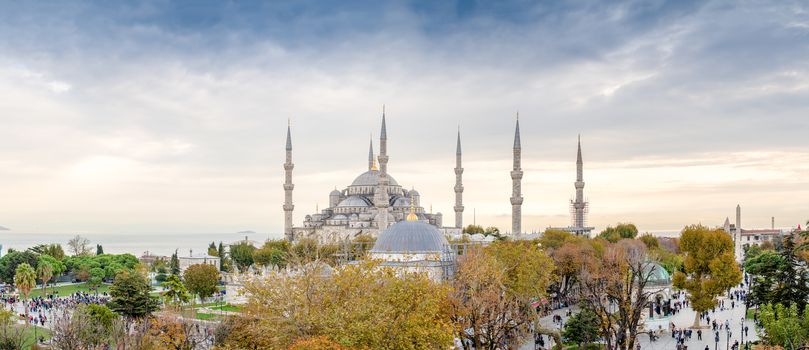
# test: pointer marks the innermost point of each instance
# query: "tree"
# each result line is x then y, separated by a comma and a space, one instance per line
25, 280
569, 259
615, 289
709, 268
528, 271
201, 280
175, 264
473, 229
79, 245
212, 251
399, 311
552, 238
90, 326
583, 328
45, 273
130, 296
785, 326
99, 249
12, 337
485, 313
10, 261
316, 343
620, 231
54, 250
223, 259
174, 292
269, 256
242, 255
96, 278
777, 276
169, 332
650, 241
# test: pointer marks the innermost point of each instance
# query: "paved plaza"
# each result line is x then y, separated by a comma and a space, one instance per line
682, 320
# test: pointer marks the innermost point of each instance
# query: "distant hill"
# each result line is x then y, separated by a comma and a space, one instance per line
3, 228
246, 232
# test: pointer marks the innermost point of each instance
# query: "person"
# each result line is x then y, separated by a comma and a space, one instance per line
745, 331
699, 334
707, 348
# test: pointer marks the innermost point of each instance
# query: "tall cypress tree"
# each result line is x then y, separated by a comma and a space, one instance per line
222, 257
175, 264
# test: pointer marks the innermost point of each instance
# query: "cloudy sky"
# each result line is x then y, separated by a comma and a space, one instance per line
162, 116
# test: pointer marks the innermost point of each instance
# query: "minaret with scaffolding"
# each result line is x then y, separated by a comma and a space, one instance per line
579, 207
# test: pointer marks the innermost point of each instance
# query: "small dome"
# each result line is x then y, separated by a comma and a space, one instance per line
413, 193
340, 217
371, 178
401, 202
335, 193
411, 237
354, 201
659, 275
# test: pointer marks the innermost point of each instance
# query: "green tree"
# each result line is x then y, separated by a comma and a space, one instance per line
201, 280
553, 239
710, 267
45, 273
242, 255
130, 296
473, 229
96, 278
10, 261
785, 326
650, 241
269, 256
777, 276
583, 328
54, 250
528, 270
25, 280
620, 231
174, 292
223, 258
175, 264
99, 249
212, 251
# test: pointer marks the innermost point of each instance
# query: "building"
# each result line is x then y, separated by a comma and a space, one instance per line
659, 287
415, 246
370, 204
745, 238
579, 207
192, 259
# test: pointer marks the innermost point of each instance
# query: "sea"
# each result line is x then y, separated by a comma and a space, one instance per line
133, 243
156, 243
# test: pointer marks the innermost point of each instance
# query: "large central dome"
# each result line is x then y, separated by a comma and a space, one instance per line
371, 178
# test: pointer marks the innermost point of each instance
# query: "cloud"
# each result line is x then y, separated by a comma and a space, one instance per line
174, 114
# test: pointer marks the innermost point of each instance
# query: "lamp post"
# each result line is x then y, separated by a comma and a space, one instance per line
727, 343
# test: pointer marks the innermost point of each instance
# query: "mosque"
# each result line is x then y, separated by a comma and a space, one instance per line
370, 204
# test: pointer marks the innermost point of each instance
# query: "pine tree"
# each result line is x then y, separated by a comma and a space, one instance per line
212, 251
99, 249
175, 264
130, 296
222, 257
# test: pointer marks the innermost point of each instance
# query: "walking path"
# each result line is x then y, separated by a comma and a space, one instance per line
682, 320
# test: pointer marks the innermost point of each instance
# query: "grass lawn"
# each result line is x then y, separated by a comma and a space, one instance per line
750, 313
228, 307
29, 334
65, 290
207, 317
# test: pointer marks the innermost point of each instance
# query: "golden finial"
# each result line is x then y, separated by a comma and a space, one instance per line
412, 216
374, 167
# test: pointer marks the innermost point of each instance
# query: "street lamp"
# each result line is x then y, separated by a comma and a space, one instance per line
727, 329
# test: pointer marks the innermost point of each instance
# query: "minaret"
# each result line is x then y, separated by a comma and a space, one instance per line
288, 186
382, 199
516, 187
371, 154
458, 185
579, 205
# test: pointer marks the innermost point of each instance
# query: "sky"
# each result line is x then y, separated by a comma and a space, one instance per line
159, 116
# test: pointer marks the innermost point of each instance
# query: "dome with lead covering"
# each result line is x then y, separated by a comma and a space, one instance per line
411, 237
354, 201
658, 276
371, 178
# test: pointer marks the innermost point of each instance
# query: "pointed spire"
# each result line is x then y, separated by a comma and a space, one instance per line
371, 159
517, 133
383, 135
289, 136
458, 147
578, 155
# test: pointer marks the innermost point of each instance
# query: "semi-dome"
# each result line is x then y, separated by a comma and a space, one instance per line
411, 237
658, 275
371, 178
354, 201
